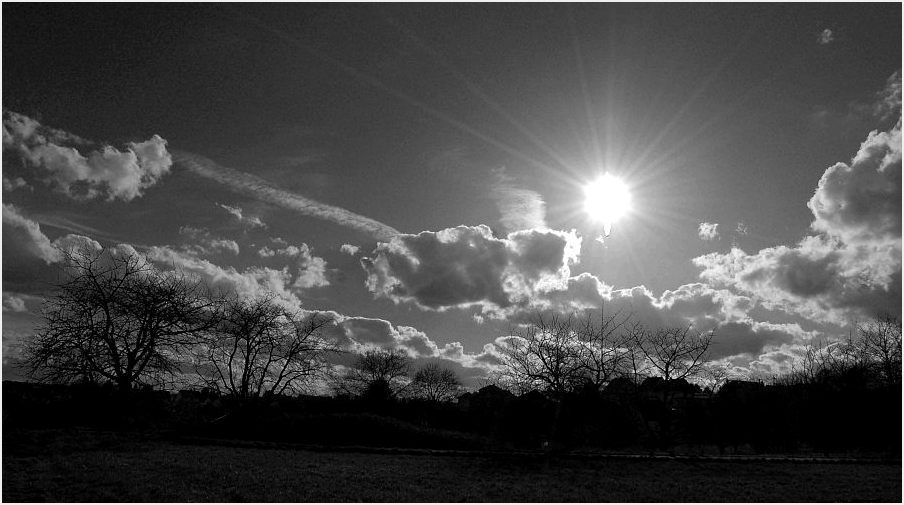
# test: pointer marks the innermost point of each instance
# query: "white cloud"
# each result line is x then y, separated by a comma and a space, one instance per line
25, 235
826, 36
349, 249
250, 282
741, 229
853, 266
249, 221
708, 231
263, 190
105, 173
312, 270
861, 202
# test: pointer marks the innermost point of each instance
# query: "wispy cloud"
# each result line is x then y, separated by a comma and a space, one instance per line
239, 214
255, 187
520, 209
826, 36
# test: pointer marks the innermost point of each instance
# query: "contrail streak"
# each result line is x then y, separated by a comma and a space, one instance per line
255, 187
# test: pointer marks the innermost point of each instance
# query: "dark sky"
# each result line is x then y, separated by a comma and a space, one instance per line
372, 121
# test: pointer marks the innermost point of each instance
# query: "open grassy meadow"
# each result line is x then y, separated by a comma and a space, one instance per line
87, 466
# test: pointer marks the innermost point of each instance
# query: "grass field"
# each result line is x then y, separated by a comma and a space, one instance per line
83, 466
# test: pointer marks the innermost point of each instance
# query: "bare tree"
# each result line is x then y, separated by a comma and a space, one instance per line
545, 355
605, 347
117, 318
675, 353
880, 341
261, 348
435, 383
387, 369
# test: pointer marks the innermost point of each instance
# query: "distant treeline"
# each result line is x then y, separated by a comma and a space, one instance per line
743, 417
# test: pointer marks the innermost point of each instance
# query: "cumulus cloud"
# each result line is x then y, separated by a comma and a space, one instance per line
708, 231
519, 208
349, 249
255, 187
468, 266
102, 173
239, 215
741, 229
312, 270
826, 36
853, 266
861, 202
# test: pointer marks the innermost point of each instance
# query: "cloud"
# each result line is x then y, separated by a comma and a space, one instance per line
207, 244
861, 202
13, 303
826, 36
741, 229
520, 208
24, 236
14, 184
708, 231
852, 267
255, 187
104, 173
249, 221
349, 249
250, 282
888, 100
312, 270
467, 266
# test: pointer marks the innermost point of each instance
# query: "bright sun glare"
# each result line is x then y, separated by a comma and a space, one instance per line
607, 199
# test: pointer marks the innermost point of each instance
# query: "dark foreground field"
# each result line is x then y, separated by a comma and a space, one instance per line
89, 466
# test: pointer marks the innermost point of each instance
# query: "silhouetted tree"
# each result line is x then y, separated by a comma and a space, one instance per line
880, 345
545, 355
435, 383
674, 353
605, 349
384, 371
261, 348
117, 318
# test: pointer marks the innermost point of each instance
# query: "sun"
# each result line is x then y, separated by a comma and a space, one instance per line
606, 200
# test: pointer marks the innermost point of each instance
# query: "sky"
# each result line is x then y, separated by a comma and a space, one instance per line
418, 170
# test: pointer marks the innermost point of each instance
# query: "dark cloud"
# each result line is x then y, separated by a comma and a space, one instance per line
468, 266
